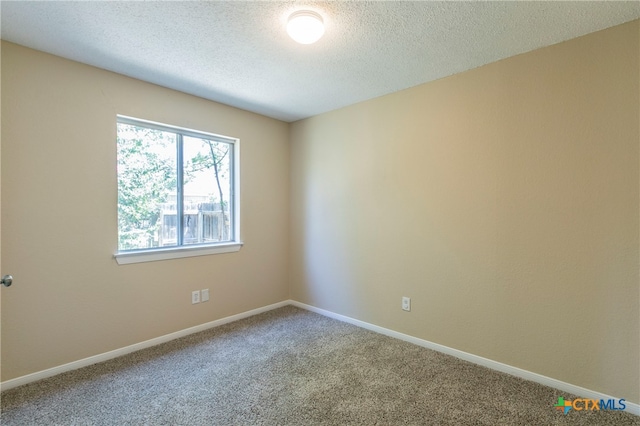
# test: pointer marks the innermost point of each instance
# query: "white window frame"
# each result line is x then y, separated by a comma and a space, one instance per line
124, 257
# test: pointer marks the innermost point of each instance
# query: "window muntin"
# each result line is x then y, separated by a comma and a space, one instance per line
176, 187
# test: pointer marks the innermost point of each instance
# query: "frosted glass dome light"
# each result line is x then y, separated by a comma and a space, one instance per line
305, 27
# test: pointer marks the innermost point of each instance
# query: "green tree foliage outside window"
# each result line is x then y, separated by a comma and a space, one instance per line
151, 178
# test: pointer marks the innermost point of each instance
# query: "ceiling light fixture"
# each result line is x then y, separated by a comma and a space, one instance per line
305, 27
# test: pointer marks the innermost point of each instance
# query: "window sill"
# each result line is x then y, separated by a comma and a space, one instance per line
126, 258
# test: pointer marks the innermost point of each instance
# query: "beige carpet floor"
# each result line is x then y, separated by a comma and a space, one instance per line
290, 367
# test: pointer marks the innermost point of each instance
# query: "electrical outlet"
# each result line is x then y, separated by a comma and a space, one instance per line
195, 297
406, 303
205, 295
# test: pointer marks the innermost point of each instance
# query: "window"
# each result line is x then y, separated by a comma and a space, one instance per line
177, 192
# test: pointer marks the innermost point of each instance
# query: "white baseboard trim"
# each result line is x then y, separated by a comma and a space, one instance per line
485, 362
23, 380
494, 365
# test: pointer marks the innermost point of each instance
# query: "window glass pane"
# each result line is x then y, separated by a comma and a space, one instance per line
207, 191
147, 188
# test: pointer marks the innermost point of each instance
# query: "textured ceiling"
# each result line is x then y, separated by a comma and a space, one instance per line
238, 53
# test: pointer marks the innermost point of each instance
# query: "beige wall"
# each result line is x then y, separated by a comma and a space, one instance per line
503, 201
70, 299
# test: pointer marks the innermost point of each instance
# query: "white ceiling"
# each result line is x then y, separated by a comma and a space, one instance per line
238, 52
